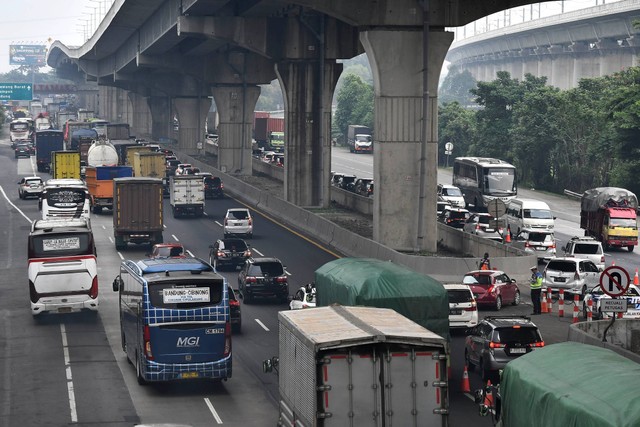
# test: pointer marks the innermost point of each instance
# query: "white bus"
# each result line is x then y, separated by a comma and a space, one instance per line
65, 199
62, 267
482, 179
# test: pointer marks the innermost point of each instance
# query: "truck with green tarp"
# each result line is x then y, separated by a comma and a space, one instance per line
383, 284
570, 385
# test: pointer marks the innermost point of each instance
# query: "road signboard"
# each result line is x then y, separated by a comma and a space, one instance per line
496, 208
28, 54
613, 305
16, 91
614, 281
448, 146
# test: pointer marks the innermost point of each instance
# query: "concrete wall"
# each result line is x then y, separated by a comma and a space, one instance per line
623, 337
445, 269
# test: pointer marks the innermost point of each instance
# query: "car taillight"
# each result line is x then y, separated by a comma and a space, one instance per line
93, 292
146, 336
527, 244
227, 339
538, 344
491, 290
247, 253
33, 295
282, 279
496, 345
576, 276
478, 227
251, 280
473, 307
602, 259
220, 253
250, 221
226, 221
234, 303
553, 246
221, 186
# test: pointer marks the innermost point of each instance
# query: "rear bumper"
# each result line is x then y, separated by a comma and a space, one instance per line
267, 290
156, 372
68, 304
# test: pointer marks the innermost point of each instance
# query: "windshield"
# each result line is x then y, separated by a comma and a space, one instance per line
541, 237
18, 126
499, 181
587, 249
61, 244
623, 222
363, 138
65, 197
538, 213
455, 192
266, 269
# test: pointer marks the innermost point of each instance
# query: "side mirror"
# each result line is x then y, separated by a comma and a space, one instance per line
117, 284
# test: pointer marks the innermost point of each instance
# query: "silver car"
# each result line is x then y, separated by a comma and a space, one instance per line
574, 275
238, 221
484, 225
542, 243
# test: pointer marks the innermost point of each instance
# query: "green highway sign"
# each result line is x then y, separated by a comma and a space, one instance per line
16, 91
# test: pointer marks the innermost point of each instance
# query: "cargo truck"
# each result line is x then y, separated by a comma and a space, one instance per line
149, 164
70, 127
118, 131
359, 366
359, 139
132, 150
85, 115
137, 211
263, 127
383, 284
102, 153
567, 384
47, 141
65, 164
81, 140
100, 183
186, 195
608, 214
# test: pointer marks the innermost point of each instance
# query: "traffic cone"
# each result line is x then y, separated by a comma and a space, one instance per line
466, 386
508, 238
635, 278
488, 396
543, 305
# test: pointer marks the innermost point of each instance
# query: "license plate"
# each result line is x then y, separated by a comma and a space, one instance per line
455, 312
64, 310
187, 375
559, 279
519, 350
489, 230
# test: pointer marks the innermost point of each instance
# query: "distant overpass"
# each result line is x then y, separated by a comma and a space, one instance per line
565, 48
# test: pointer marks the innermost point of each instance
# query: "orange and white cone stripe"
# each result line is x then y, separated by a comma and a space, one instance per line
576, 310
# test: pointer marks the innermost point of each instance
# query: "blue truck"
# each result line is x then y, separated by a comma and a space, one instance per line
47, 141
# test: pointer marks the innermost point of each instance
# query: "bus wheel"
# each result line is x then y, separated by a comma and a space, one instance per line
630, 247
139, 376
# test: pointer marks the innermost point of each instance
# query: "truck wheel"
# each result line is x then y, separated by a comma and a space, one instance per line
630, 247
139, 376
158, 237
120, 243
97, 209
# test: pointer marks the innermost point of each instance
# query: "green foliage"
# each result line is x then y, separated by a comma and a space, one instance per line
458, 126
354, 104
456, 87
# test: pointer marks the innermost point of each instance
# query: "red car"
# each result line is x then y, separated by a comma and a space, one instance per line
492, 288
167, 250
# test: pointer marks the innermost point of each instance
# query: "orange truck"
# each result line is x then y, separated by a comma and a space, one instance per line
100, 183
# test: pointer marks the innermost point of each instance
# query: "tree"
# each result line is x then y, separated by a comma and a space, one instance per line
355, 104
457, 86
456, 125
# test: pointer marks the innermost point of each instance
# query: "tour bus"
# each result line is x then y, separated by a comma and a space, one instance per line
65, 198
482, 179
19, 130
174, 319
62, 268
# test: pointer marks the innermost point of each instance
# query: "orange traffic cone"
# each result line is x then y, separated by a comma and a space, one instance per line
543, 305
488, 396
466, 386
508, 237
635, 278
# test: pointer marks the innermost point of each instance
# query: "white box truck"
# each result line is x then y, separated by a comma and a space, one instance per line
356, 366
186, 195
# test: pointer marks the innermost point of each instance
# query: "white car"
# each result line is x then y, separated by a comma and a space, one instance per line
596, 295
451, 194
238, 221
463, 310
304, 298
181, 167
30, 186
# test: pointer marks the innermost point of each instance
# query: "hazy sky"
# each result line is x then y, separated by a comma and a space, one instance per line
70, 21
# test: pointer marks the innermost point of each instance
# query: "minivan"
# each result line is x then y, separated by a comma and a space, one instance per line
528, 213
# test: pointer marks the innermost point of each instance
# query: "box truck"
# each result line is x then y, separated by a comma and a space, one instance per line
100, 184
150, 164
65, 164
186, 195
137, 211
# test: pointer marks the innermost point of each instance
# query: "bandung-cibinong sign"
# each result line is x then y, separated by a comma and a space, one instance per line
28, 54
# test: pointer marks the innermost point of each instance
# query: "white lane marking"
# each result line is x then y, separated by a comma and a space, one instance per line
120, 255
213, 410
104, 228
175, 238
15, 207
164, 226
262, 324
257, 251
217, 222
190, 254
67, 364
111, 239
205, 214
287, 273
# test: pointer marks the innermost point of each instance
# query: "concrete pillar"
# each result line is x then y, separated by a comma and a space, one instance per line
235, 106
161, 120
561, 68
141, 116
405, 160
529, 63
192, 114
307, 167
584, 63
613, 58
544, 63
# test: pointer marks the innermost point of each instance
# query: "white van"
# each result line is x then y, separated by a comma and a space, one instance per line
528, 213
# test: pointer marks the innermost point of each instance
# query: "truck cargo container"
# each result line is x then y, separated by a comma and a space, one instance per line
47, 141
62, 117
569, 384
264, 126
119, 131
102, 153
81, 140
376, 283
85, 115
609, 214
70, 127
150, 164
359, 366
137, 211
100, 184
65, 164
186, 195
132, 150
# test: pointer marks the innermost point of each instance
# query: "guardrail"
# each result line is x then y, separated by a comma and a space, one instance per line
573, 195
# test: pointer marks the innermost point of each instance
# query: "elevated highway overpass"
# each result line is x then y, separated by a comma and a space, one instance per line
156, 58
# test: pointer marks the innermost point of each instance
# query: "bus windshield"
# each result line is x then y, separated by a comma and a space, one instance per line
499, 181
65, 197
22, 126
61, 245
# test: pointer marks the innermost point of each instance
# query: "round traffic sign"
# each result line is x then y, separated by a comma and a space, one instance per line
448, 146
614, 281
496, 208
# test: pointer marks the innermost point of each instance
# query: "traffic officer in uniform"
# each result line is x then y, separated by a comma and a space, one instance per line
536, 289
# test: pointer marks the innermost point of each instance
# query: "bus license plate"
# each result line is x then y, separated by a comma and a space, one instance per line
188, 375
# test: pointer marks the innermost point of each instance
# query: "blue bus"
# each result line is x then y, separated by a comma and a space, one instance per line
174, 319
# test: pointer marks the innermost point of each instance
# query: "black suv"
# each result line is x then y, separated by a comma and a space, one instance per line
263, 277
231, 252
496, 340
213, 187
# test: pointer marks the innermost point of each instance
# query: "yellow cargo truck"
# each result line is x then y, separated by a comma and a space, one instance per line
131, 153
65, 164
150, 164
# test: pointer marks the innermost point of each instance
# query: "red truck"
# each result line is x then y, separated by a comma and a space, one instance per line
609, 214
263, 126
